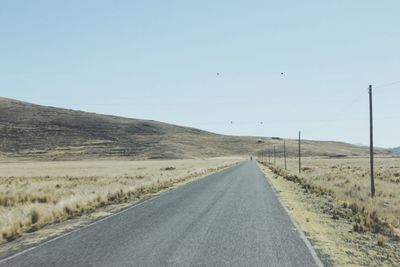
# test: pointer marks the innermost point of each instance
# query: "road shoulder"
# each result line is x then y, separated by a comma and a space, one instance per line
55, 231
333, 238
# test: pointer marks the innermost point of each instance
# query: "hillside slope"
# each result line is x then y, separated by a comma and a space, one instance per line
395, 150
28, 130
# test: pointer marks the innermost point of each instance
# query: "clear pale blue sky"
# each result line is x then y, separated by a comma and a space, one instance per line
158, 60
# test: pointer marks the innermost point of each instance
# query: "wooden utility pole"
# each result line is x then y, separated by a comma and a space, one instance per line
269, 155
299, 152
284, 152
371, 142
274, 156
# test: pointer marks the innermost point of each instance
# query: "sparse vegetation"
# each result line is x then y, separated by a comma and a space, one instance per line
329, 223
347, 180
46, 133
29, 202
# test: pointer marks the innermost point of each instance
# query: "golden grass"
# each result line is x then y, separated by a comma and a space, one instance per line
35, 194
333, 238
348, 180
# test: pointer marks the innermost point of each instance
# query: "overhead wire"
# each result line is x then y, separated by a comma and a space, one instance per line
386, 84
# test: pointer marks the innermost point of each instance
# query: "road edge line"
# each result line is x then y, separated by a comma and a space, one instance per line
134, 205
299, 230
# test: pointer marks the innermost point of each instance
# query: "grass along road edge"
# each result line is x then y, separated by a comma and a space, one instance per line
28, 237
333, 237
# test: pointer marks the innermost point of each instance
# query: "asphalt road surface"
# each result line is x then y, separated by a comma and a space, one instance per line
231, 218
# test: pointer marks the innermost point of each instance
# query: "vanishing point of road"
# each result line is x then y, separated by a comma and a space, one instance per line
231, 218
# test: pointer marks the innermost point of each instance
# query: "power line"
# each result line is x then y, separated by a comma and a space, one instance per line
387, 84
350, 104
294, 121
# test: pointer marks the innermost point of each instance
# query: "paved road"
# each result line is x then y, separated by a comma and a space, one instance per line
231, 218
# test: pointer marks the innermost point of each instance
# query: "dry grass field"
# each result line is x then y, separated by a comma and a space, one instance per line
348, 180
332, 235
35, 194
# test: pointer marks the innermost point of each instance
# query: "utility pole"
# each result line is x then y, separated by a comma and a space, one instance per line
299, 152
284, 152
371, 142
274, 156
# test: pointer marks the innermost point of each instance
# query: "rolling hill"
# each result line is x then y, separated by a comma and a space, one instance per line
41, 132
395, 150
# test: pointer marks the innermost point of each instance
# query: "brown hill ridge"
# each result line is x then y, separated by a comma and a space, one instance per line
40, 132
